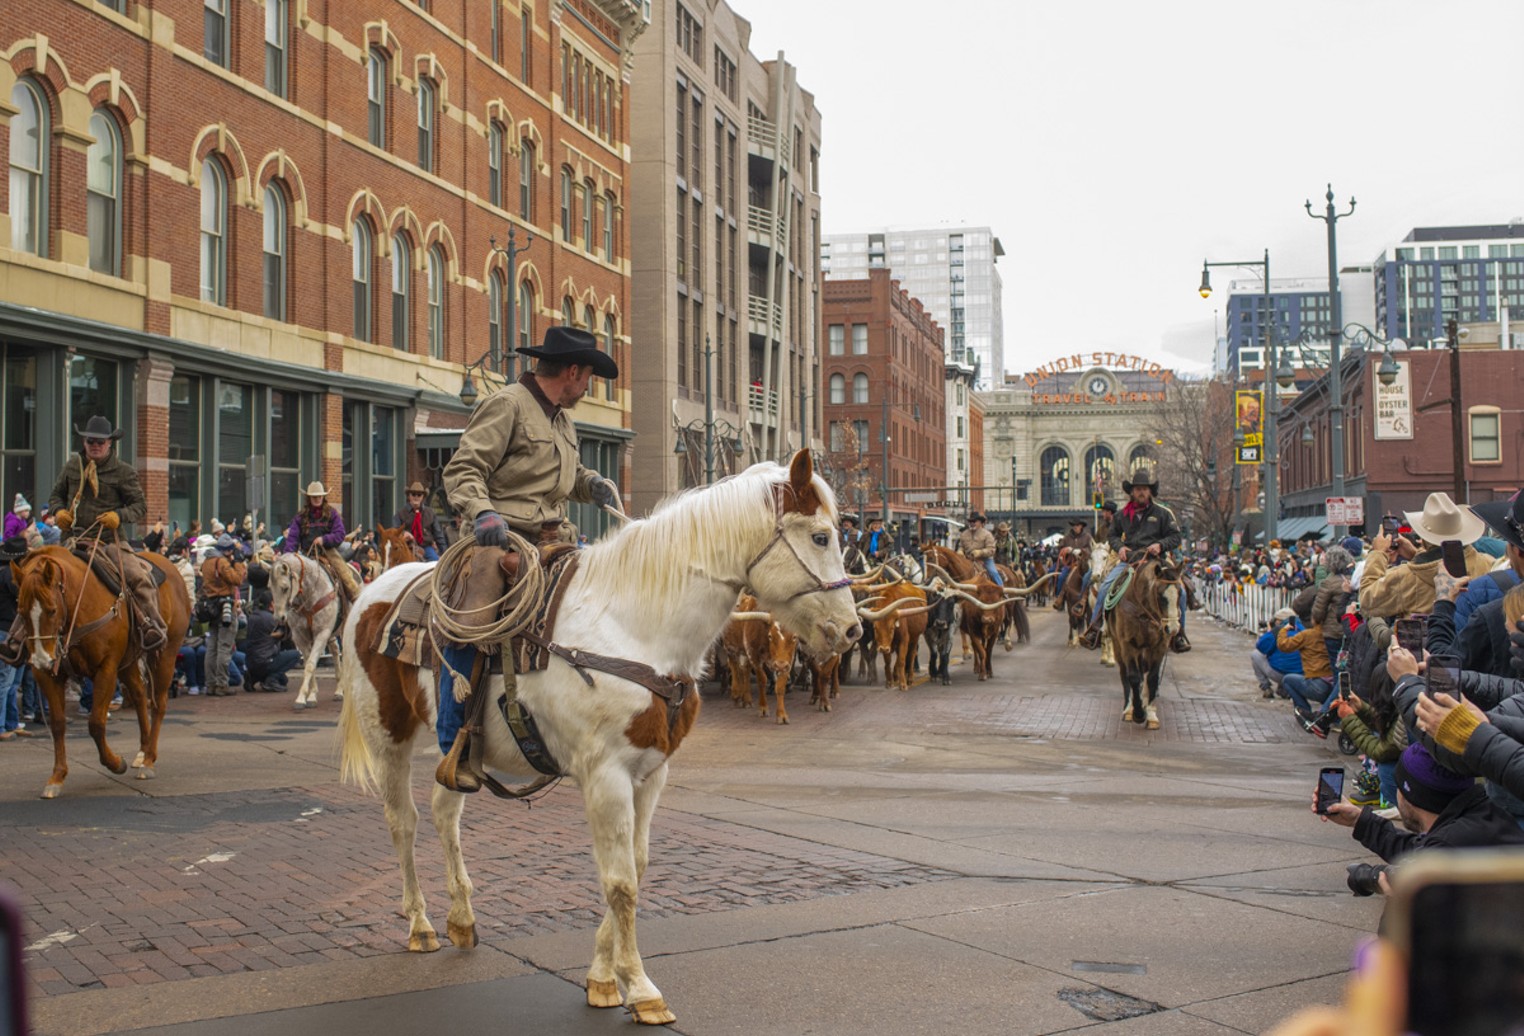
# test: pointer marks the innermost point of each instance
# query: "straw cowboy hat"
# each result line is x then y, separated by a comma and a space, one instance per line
1441, 520
315, 488
417, 487
573, 345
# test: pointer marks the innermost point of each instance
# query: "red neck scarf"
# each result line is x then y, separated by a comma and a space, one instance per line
1132, 512
417, 529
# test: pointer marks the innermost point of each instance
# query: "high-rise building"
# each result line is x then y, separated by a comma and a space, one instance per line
260, 237
726, 231
1295, 305
1474, 274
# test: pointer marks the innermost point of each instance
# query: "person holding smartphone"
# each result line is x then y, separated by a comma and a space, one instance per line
1310, 690
1388, 591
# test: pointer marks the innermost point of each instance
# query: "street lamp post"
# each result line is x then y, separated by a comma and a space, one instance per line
512, 253
1331, 217
1272, 404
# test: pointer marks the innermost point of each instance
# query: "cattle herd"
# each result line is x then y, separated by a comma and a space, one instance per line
901, 603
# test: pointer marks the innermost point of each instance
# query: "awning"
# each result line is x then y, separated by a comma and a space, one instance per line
1293, 529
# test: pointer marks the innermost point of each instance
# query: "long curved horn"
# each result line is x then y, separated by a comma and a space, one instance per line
868, 577
751, 616
919, 610
992, 606
871, 587
893, 607
933, 568
1011, 591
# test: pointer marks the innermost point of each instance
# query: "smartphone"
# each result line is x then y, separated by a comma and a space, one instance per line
1443, 675
1456, 918
1410, 633
13, 1020
1390, 524
1345, 682
1454, 554
1330, 787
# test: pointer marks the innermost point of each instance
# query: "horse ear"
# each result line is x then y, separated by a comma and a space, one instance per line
801, 477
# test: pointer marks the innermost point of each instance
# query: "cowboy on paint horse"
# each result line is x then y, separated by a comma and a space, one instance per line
516, 466
978, 545
95, 493
318, 529
1144, 527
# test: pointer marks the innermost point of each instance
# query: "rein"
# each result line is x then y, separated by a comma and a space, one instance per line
821, 586
65, 638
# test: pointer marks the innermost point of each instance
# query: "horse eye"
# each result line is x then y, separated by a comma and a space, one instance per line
821, 539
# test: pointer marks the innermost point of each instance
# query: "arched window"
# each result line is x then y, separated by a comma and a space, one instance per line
275, 253
1100, 471
436, 303
610, 386
1055, 477
608, 229
29, 169
859, 388
838, 388
495, 302
1141, 455
214, 240
375, 92
402, 282
526, 324
566, 204
426, 125
363, 255
526, 179
568, 312
103, 181
495, 161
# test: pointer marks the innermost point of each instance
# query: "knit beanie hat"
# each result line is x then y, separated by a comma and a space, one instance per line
1353, 545
1425, 783
21, 504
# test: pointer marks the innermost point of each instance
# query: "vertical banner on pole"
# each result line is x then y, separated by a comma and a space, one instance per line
1251, 421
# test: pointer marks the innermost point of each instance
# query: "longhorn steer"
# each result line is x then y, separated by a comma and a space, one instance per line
825, 681
897, 629
939, 625
757, 646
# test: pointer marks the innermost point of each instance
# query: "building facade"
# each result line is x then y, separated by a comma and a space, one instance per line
1474, 274
884, 401
286, 279
726, 233
1295, 305
1061, 437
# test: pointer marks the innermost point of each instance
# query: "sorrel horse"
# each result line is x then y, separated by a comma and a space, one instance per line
769, 528
78, 628
306, 600
396, 547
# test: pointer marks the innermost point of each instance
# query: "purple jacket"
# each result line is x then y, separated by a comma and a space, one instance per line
15, 525
327, 525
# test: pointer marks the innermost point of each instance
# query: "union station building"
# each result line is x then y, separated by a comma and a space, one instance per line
1057, 437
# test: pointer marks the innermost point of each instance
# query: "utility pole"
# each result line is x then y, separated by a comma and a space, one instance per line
1331, 217
1457, 416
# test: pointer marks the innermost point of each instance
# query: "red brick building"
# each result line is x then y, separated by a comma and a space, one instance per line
1396, 474
884, 399
259, 236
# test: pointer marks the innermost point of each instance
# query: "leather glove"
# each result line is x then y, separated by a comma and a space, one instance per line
110, 520
65, 518
603, 493
490, 530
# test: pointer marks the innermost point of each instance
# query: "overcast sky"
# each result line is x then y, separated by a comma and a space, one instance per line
1112, 145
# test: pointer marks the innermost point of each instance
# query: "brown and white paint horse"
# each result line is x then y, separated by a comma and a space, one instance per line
75, 627
769, 528
310, 606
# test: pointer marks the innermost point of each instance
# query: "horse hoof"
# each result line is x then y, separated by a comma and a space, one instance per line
603, 994
1152, 724
463, 936
1127, 714
118, 768
51, 791
423, 942
337, 696
782, 721
652, 1012
137, 760
145, 773
298, 706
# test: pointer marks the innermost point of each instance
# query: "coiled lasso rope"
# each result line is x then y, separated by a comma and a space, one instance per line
515, 608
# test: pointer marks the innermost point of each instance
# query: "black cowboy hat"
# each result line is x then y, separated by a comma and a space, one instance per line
12, 548
1141, 477
1110, 506
976, 517
98, 427
848, 516
574, 345
1506, 517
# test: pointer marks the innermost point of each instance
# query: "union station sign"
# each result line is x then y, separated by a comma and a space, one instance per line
1099, 389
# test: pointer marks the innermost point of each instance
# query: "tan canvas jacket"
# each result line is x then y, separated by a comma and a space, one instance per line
976, 544
514, 460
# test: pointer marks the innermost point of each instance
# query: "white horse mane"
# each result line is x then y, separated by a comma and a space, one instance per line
693, 532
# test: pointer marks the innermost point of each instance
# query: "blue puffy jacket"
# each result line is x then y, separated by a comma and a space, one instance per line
1479, 591
1280, 661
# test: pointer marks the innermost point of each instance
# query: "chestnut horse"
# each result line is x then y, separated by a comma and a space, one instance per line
75, 627
397, 547
637, 619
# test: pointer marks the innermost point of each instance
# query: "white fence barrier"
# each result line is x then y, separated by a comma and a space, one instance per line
1247, 607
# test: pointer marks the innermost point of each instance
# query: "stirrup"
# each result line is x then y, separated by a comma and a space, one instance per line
450, 774
1091, 638
1178, 644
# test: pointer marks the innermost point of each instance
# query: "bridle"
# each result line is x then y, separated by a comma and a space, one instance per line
821, 586
300, 594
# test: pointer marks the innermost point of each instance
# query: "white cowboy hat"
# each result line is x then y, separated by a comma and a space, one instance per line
315, 488
1441, 520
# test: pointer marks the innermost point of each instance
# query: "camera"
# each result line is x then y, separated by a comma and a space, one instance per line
1365, 878
227, 612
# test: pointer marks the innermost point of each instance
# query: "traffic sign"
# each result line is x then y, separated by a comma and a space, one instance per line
1346, 510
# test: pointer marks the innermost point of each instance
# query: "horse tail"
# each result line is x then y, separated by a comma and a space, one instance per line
357, 765
1023, 624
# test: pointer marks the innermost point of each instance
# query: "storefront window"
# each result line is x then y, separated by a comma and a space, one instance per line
235, 442
184, 450
92, 391
19, 423
285, 456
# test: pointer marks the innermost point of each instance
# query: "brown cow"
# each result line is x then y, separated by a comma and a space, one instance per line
897, 628
757, 647
825, 681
